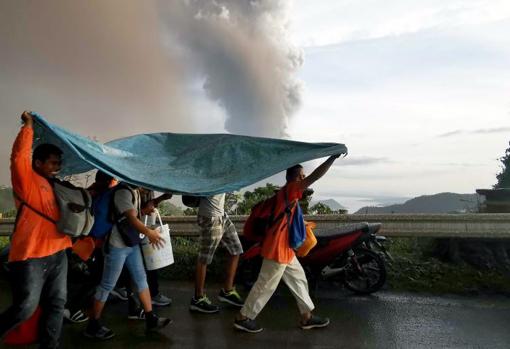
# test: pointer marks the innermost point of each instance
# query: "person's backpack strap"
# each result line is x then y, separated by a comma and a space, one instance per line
26, 204
116, 215
273, 209
286, 211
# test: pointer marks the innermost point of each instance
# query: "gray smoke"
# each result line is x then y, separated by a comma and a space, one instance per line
241, 51
112, 68
95, 67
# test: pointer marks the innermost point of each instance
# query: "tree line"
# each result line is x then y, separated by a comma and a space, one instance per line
241, 203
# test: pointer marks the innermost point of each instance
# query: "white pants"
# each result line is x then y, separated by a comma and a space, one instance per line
269, 277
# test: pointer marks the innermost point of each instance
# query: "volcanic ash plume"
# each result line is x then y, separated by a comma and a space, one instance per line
241, 51
100, 66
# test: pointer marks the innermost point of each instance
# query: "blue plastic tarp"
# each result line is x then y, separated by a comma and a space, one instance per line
197, 164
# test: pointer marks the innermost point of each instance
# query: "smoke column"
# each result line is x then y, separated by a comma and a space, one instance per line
241, 51
108, 69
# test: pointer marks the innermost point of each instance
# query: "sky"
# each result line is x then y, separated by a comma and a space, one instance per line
419, 91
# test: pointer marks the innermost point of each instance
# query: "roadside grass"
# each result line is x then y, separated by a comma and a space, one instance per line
414, 269
4, 240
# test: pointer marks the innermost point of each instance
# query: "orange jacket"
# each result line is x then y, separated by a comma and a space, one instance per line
34, 236
276, 241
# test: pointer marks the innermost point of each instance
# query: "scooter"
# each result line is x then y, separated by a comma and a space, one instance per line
353, 255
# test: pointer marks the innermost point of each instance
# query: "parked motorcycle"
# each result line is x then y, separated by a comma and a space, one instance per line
352, 255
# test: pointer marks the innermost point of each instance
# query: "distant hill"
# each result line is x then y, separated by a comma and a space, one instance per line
6, 200
437, 203
331, 203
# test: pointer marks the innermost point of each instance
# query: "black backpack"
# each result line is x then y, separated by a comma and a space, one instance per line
191, 201
130, 236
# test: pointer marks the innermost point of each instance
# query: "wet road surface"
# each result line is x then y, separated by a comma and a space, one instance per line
385, 320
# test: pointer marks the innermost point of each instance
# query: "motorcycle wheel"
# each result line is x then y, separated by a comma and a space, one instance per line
372, 275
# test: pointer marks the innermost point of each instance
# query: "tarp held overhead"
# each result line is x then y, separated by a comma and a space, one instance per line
198, 164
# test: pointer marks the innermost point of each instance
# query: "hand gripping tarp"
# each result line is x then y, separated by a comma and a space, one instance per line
197, 164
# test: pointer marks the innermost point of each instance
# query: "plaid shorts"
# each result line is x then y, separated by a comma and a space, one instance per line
214, 230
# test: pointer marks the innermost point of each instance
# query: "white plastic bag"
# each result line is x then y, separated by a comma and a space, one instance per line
155, 258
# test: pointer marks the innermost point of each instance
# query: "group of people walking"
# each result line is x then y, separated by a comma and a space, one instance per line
38, 256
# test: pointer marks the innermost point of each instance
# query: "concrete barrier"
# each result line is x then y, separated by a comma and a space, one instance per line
474, 225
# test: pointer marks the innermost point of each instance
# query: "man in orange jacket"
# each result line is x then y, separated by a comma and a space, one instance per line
37, 259
279, 259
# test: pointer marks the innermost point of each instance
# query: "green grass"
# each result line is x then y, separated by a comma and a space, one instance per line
415, 270
4, 240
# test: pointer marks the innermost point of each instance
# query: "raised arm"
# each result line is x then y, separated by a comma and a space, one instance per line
319, 172
150, 205
161, 198
21, 158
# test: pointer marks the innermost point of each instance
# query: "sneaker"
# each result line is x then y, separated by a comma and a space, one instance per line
137, 314
161, 300
120, 293
101, 332
155, 323
203, 305
76, 318
314, 322
231, 297
247, 325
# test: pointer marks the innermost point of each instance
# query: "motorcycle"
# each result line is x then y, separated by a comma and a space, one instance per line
353, 255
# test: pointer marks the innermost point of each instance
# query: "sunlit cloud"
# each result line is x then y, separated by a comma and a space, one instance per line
362, 161
474, 132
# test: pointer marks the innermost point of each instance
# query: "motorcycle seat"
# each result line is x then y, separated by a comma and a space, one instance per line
340, 231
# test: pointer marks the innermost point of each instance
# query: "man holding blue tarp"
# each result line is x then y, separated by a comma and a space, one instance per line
37, 258
279, 260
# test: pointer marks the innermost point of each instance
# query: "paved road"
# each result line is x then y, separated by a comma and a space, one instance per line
386, 320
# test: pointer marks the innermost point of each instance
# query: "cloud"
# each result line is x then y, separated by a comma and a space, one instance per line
461, 164
362, 161
386, 200
450, 134
491, 130
483, 131
342, 21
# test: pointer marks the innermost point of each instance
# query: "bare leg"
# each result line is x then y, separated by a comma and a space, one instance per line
305, 317
145, 299
231, 272
97, 309
201, 271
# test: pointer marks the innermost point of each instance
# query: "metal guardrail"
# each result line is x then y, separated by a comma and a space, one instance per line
474, 225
